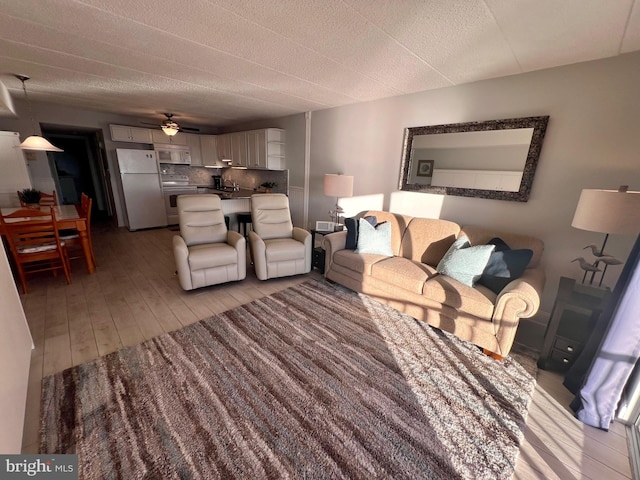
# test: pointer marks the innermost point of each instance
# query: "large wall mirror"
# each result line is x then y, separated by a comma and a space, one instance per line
496, 159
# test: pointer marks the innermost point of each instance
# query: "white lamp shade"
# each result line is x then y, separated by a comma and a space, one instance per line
608, 211
169, 130
41, 144
338, 185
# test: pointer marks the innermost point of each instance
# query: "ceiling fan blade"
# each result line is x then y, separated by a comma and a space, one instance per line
152, 124
190, 129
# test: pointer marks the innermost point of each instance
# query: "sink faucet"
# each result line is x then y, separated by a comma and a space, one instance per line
234, 185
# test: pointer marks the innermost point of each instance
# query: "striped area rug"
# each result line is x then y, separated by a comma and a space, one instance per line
314, 382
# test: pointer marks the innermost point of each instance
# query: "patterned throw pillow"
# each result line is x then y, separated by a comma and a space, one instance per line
376, 240
465, 263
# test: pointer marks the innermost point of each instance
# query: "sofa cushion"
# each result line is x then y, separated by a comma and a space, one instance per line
471, 300
426, 240
504, 265
353, 225
283, 249
360, 263
212, 255
403, 273
464, 262
374, 240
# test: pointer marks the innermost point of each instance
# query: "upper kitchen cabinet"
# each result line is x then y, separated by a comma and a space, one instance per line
123, 133
223, 146
180, 138
239, 149
208, 145
265, 148
193, 141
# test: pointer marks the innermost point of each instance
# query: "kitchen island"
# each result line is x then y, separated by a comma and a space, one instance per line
233, 202
227, 194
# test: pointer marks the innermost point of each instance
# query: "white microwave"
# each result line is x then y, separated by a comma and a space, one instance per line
177, 154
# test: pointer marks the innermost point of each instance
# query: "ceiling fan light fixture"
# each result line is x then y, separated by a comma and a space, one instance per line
170, 130
34, 142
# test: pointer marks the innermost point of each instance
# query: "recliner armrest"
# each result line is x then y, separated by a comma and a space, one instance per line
302, 236
181, 255
234, 239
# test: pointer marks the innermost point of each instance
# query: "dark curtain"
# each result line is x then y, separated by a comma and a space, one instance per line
600, 373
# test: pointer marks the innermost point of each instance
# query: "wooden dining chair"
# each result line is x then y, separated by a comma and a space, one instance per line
32, 236
48, 199
72, 238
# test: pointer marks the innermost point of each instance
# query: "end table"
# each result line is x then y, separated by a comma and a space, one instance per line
317, 253
575, 313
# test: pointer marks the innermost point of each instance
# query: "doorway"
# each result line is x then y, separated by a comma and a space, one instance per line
81, 168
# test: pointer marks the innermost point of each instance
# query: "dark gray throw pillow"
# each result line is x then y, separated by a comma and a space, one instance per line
352, 230
504, 265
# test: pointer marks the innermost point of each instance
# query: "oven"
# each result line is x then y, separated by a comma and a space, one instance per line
172, 187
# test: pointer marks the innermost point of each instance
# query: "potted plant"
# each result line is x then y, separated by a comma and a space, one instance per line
30, 197
268, 186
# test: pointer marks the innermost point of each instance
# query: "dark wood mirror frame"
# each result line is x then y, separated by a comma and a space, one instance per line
539, 125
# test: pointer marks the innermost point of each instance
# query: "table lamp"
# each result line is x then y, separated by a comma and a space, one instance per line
337, 185
607, 211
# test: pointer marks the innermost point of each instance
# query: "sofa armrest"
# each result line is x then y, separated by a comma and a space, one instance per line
332, 243
519, 299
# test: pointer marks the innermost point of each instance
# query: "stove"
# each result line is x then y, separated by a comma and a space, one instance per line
173, 186
170, 180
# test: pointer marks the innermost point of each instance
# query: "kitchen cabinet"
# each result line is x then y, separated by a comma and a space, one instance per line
123, 133
257, 149
239, 149
158, 136
193, 142
223, 146
209, 149
265, 148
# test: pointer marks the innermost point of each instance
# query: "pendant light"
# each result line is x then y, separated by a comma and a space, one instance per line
34, 142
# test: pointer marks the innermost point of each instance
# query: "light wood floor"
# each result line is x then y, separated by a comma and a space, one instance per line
134, 296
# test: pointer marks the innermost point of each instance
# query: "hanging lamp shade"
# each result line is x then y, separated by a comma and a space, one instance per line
34, 142
41, 144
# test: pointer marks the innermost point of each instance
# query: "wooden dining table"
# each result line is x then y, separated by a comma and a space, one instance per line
68, 217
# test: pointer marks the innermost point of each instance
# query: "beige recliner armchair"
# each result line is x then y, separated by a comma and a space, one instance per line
206, 252
278, 249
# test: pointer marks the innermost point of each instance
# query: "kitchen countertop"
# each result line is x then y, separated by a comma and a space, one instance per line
229, 194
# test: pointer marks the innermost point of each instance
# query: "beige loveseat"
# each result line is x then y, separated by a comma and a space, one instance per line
409, 282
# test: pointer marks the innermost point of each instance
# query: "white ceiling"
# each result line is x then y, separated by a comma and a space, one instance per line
223, 62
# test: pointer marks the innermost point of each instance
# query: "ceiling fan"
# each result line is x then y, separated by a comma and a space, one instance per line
170, 127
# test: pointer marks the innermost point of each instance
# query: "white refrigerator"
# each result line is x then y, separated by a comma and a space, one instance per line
141, 188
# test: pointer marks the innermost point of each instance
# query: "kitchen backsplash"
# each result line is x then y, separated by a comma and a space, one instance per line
249, 179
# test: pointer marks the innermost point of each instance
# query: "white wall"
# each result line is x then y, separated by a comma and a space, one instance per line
15, 358
592, 141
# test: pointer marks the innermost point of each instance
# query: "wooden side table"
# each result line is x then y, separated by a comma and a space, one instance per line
575, 313
317, 253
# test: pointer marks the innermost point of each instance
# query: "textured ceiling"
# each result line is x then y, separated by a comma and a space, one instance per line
223, 62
